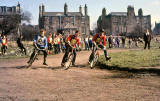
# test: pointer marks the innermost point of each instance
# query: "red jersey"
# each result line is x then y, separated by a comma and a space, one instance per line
4, 41
99, 39
49, 39
73, 40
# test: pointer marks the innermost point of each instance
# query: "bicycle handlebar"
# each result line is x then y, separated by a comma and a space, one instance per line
38, 47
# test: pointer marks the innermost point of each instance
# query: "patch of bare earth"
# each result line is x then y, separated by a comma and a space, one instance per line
80, 83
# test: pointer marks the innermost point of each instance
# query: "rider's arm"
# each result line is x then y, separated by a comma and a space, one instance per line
45, 43
69, 38
94, 39
35, 39
78, 41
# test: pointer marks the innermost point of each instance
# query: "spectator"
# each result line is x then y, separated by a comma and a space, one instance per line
90, 42
129, 43
123, 41
117, 41
147, 39
56, 44
4, 44
110, 41
50, 41
0, 41
86, 43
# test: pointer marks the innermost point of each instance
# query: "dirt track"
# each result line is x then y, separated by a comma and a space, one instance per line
76, 84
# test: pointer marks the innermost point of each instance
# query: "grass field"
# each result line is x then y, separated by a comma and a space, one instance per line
134, 58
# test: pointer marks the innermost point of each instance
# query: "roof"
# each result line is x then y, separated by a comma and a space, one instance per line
70, 26
62, 14
118, 13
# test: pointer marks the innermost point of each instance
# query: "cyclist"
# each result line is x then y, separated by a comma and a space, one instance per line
70, 43
20, 45
40, 43
99, 40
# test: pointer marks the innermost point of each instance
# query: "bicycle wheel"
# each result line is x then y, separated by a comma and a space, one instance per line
33, 59
68, 62
93, 63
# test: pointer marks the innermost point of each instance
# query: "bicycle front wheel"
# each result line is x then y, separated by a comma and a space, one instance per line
68, 62
93, 63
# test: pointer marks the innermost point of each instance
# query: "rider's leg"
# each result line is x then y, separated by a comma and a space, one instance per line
65, 55
2, 49
45, 56
74, 57
106, 54
105, 51
92, 54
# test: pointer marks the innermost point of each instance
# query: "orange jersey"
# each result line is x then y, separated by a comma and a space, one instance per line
4, 41
73, 40
50, 40
99, 39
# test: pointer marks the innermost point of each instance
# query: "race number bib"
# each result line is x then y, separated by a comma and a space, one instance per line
40, 41
98, 40
73, 42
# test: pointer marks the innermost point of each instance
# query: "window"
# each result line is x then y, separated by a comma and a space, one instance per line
72, 20
117, 29
83, 30
145, 20
50, 20
137, 20
83, 20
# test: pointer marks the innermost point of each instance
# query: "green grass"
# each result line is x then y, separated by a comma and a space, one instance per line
134, 58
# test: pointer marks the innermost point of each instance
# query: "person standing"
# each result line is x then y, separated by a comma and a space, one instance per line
110, 41
147, 39
117, 41
0, 41
90, 42
40, 44
123, 41
3, 44
50, 41
129, 42
86, 43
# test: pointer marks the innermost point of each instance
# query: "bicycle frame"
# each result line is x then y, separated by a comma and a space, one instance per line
36, 50
69, 60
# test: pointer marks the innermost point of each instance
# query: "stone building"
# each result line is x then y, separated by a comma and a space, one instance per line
4, 10
156, 29
66, 21
7, 14
124, 22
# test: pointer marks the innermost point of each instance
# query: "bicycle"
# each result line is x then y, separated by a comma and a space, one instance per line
35, 55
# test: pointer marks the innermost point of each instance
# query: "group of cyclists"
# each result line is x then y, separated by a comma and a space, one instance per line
71, 43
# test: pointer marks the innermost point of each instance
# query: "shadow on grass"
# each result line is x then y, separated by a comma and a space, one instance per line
131, 70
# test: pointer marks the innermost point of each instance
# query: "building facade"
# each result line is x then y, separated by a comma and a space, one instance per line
156, 29
6, 16
124, 22
67, 22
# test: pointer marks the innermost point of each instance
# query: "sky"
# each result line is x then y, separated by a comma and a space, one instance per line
149, 7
